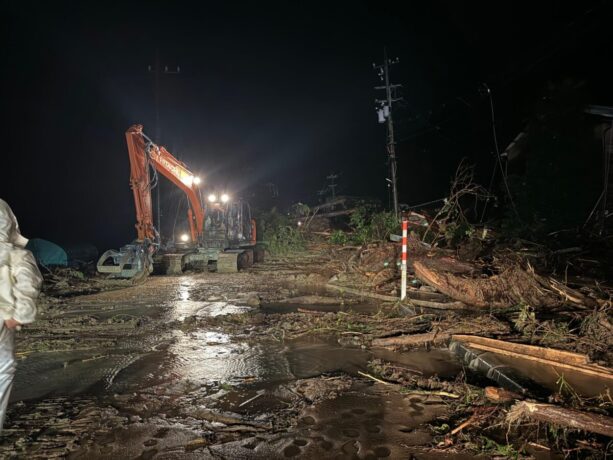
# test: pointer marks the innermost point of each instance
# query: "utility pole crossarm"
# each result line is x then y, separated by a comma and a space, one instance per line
391, 86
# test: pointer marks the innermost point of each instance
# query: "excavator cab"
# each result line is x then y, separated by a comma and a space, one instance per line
228, 225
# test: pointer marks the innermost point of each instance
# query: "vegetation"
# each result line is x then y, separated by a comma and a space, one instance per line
371, 226
279, 234
339, 237
367, 226
491, 447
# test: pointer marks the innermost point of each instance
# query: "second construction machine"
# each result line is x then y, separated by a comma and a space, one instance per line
222, 234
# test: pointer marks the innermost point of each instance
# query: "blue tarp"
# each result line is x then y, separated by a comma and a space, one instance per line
47, 253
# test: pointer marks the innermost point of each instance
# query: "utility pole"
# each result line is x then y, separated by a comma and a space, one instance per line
157, 71
332, 185
384, 111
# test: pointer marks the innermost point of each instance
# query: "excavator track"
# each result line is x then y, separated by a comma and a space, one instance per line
234, 260
227, 262
174, 264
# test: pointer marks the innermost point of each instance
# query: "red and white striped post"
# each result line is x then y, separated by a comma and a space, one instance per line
403, 266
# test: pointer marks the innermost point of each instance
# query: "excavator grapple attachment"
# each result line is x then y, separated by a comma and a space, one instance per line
133, 261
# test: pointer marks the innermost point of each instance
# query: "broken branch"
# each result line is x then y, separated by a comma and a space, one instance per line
412, 340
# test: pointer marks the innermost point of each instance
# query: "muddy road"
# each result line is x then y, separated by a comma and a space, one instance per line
268, 363
190, 367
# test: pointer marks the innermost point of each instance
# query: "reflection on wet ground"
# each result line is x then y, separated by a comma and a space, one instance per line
137, 355
203, 356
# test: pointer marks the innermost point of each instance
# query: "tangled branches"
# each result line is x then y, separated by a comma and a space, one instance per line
451, 221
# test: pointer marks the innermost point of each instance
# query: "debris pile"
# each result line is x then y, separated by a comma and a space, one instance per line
68, 282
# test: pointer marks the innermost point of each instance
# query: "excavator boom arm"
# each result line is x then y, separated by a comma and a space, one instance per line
143, 152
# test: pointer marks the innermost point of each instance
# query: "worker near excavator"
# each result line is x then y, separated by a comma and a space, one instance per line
20, 283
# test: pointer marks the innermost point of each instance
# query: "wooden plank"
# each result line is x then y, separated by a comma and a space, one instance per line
528, 350
593, 370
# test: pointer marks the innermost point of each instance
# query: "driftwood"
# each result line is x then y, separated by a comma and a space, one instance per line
364, 374
548, 356
500, 395
473, 418
569, 294
437, 305
481, 413
569, 418
414, 340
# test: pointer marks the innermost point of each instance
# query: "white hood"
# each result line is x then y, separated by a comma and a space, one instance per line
9, 228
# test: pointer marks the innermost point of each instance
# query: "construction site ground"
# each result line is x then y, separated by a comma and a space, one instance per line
264, 363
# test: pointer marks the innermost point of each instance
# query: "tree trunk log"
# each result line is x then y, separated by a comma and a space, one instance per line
569, 418
414, 340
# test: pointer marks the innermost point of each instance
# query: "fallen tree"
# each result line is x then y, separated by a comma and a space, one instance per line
513, 285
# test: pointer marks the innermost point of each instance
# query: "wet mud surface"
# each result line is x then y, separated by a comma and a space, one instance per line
140, 372
257, 364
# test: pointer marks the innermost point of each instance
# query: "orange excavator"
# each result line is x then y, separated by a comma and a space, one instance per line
222, 235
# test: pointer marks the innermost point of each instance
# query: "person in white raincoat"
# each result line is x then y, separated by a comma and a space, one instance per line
20, 283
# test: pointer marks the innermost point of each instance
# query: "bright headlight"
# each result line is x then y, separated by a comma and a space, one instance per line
212, 198
184, 237
197, 180
225, 198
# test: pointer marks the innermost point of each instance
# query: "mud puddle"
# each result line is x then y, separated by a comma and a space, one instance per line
366, 422
203, 356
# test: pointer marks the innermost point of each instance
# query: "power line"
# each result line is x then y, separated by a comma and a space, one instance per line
498, 158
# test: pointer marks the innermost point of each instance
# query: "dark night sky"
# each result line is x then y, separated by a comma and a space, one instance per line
276, 93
